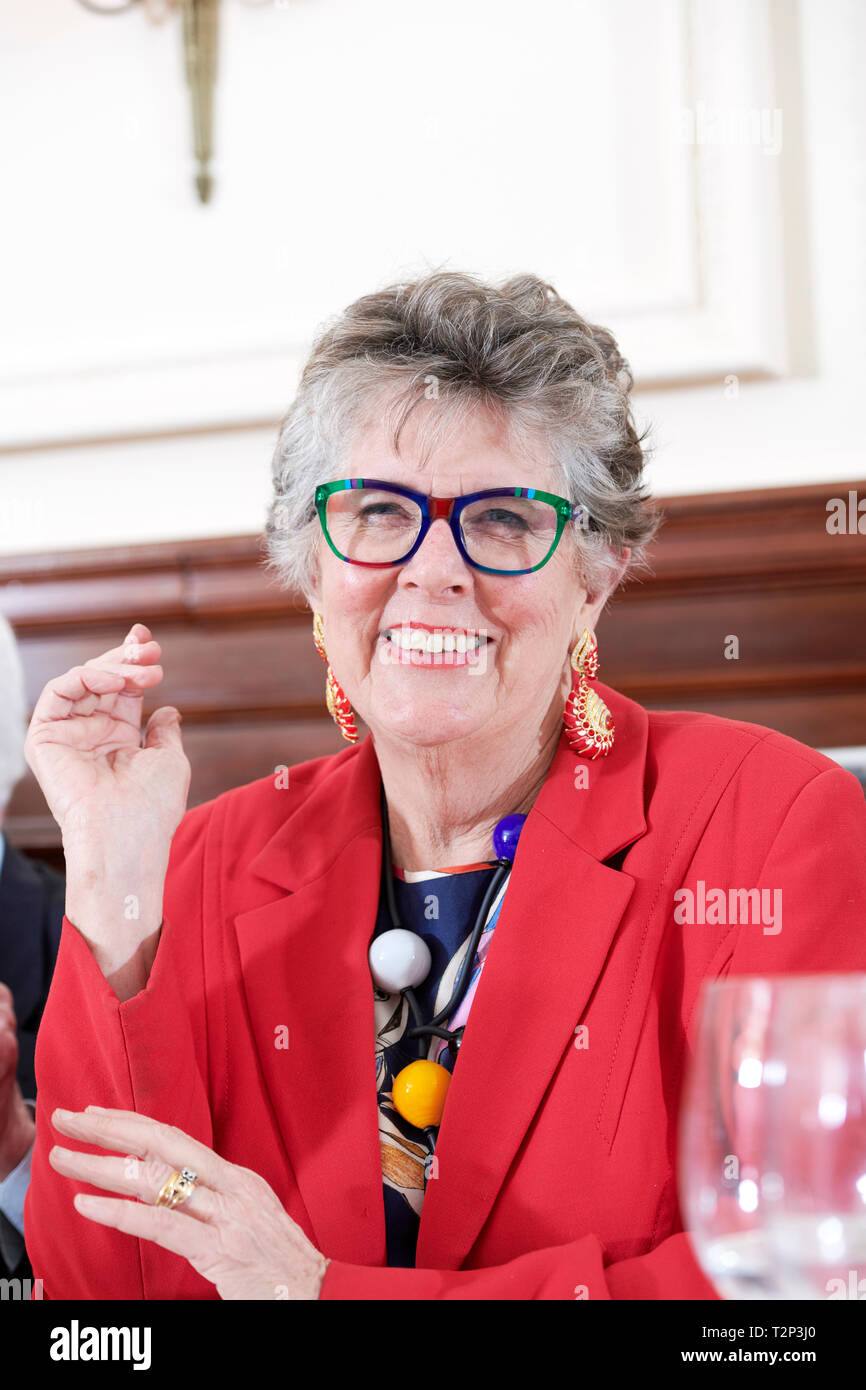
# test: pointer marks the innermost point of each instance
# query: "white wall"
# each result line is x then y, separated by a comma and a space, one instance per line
148, 344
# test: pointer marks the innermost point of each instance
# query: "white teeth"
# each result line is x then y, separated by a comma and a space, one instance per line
416, 639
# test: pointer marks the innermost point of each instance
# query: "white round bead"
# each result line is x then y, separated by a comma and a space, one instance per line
399, 960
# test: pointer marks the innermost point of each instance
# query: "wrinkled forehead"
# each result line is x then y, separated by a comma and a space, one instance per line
448, 449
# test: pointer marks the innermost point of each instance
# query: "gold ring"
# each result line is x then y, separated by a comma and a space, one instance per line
176, 1189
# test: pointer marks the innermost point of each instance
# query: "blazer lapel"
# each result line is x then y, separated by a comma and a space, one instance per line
304, 959
561, 911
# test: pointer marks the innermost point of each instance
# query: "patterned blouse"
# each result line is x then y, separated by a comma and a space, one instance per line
441, 906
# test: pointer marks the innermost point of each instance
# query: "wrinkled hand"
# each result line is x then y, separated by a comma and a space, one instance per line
118, 798
17, 1130
85, 749
232, 1229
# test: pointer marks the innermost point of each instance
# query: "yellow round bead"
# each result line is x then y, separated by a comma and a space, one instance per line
419, 1092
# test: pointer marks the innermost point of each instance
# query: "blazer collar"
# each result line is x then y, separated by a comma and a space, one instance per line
304, 960
346, 802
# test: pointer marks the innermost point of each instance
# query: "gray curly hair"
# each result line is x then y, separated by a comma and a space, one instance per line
516, 348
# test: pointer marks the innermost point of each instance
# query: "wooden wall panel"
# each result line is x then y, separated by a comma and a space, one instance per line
241, 665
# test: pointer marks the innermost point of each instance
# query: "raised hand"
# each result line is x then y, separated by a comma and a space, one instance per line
117, 798
85, 748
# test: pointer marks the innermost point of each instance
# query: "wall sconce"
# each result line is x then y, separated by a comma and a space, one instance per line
200, 55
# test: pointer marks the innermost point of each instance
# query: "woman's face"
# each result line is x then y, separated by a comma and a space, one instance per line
520, 675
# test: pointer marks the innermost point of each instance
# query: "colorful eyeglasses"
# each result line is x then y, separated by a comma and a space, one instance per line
504, 530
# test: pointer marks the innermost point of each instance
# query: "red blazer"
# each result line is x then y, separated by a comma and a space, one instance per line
556, 1163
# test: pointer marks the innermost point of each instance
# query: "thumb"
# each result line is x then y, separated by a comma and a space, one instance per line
163, 729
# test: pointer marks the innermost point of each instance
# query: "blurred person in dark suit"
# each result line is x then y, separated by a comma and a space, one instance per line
31, 913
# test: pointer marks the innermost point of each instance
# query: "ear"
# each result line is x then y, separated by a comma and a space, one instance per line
593, 604
613, 581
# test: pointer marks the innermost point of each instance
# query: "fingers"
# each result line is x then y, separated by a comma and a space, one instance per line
138, 633
127, 1132
108, 681
80, 690
163, 729
131, 1176
138, 647
195, 1240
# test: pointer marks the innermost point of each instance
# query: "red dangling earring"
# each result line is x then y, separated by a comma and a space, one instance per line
335, 698
588, 721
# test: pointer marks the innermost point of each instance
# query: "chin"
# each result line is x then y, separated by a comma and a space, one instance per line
427, 726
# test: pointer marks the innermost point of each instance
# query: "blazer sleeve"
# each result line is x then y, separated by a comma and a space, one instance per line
147, 1054
814, 875
573, 1271
817, 866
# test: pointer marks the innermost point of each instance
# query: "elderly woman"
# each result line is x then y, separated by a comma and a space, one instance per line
411, 1021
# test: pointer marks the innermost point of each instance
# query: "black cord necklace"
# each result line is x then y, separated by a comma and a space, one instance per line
399, 972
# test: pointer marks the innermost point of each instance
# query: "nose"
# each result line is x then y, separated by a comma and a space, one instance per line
437, 565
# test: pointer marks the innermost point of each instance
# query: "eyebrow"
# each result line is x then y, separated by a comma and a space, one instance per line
525, 489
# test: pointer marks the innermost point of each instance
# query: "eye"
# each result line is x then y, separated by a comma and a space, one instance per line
389, 511
501, 517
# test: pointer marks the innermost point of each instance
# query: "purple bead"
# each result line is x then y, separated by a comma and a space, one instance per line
506, 835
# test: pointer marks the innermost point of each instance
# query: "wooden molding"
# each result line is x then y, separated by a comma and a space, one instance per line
240, 661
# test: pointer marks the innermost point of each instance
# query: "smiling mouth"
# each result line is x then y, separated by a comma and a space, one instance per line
435, 640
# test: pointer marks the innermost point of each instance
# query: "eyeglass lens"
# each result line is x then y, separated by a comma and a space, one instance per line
503, 533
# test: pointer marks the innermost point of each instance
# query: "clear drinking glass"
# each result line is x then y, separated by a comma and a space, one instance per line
815, 1149
722, 1138
772, 1164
